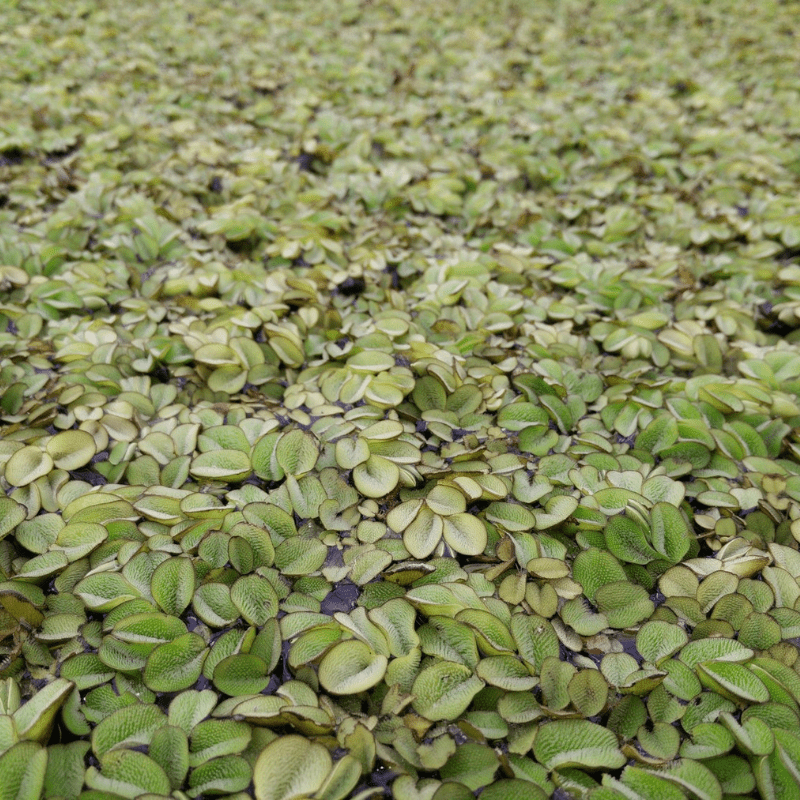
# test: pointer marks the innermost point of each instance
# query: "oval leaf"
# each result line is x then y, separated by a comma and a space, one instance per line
290, 767
444, 690
577, 743
351, 667
176, 665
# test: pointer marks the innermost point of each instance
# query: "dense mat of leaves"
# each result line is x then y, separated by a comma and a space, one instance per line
399, 399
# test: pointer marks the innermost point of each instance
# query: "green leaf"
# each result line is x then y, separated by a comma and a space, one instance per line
733, 681
423, 534
221, 465
536, 639
513, 789
397, 619
128, 773
734, 774
594, 568
169, 748
129, 726
510, 516
505, 672
65, 769
788, 750
472, 764
704, 650
643, 783
26, 465
78, 539
660, 434
191, 707
11, 514
351, 452
658, 640
255, 598
753, 736
351, 667
556, 510
212, 603
176, 665
465, 534
105, 590
290, 767
519, 708
241, 674
224, 775
555, 677
23, 768
217, 737
34, 719
449, 639
300, 556
297, 452
588, 692
173, 584
624, 604
445, 500
577, 743
342, 779
71, 449
669, 532
694, 777
376, 477
625, 538
444, 690
709, 740
428, 394
263, 458
581, 618
615, 500
492, 635
627, 716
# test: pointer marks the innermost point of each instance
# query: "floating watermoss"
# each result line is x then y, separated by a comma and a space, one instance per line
399, 428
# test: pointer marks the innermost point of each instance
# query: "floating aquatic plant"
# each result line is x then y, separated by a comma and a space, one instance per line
399, 401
